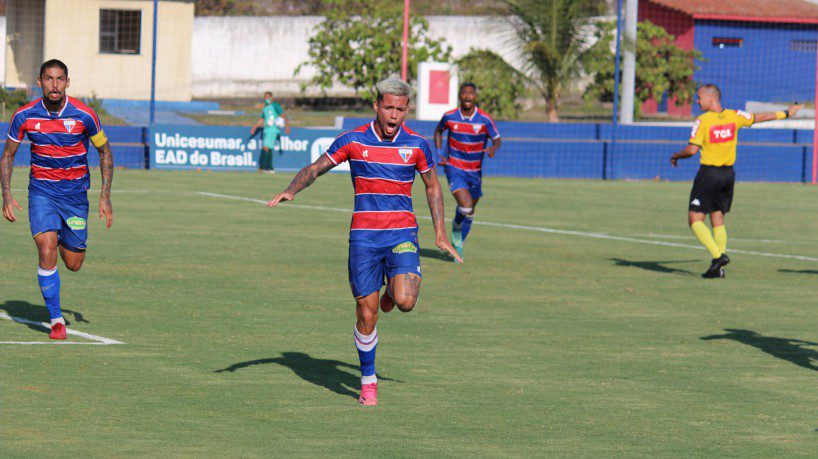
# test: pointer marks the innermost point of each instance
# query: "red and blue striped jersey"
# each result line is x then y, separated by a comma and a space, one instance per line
468, 137
382, 175
59, 144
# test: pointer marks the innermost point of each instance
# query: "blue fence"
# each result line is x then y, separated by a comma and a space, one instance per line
585, 150
566, 150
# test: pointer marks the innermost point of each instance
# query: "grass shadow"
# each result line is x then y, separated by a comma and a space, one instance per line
655, 266
791, 350
330, 374
435, 253
799, 271
37, 313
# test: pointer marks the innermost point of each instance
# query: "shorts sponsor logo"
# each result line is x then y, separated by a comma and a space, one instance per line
695, 202
722, 133
76, 223
405, 247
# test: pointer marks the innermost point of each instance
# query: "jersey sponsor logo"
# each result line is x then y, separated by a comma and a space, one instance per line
406, 247
69, 125
722, 133
695, 129
405, 153
695, 202
744, 114
76, 223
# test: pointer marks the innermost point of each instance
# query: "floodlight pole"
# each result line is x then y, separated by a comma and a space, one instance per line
815, 127
153, 63
629, 63
404, 73
616, 88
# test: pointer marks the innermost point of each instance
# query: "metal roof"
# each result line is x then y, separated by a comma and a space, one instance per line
786, 11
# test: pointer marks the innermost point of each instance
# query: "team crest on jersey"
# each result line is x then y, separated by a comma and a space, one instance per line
405, 153
476, 128
69, 125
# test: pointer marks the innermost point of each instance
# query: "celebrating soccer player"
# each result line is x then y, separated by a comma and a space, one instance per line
272, 119
469, 132
715, 132
59, 128
383, 156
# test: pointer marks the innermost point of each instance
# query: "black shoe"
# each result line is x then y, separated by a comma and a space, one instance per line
716, 267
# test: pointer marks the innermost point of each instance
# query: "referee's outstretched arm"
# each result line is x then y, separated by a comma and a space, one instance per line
779, 115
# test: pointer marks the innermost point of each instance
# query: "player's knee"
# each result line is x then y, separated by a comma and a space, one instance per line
73, 265
405, 302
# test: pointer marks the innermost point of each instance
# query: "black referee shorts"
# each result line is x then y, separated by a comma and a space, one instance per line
712, 189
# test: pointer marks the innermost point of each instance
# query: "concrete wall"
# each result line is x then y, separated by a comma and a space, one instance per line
244, 56
72, 35
24, 42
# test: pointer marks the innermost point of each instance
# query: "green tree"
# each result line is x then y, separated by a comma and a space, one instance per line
662, 68
500, 85
547, 37
359, 44
224, 8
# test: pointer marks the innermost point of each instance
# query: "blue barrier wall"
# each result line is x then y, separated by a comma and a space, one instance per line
127, 143
585, 150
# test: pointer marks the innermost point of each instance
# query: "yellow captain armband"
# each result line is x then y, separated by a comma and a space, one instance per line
781, 115
99, 139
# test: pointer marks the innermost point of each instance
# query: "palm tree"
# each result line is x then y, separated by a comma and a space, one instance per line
549, 43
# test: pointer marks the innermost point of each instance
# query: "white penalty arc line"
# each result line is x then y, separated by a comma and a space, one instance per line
540, 229
99, 340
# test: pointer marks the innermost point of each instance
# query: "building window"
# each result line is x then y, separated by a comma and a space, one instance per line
721, 42
120, 31
803, 45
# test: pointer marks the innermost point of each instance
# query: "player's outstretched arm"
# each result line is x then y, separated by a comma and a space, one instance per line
780, 115
434, 194
495, 145
304, 178
688, 151
106, 167
6, 168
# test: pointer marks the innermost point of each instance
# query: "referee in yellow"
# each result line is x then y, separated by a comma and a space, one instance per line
715, 133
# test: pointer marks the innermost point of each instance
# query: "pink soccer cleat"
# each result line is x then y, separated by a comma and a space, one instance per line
369, 394
57, 331
387, 303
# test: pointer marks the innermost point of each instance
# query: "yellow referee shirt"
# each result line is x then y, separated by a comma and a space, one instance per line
717, 135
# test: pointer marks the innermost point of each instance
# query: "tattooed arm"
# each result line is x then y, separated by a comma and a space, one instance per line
434, 194
106, 167
6, 167
304, 178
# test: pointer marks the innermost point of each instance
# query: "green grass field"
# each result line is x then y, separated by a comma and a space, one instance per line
237, 323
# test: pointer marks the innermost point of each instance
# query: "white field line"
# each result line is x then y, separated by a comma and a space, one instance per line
70, 331
64, 343
540, 229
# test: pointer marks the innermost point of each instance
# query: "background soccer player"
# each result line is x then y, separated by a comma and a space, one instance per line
272, 120
715, 132
59, 128
383, 156
469, 131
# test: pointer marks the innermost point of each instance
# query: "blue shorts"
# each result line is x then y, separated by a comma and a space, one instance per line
370, 267
460, 179
66, 215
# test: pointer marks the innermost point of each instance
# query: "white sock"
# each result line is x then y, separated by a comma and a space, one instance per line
58, 320
369, 380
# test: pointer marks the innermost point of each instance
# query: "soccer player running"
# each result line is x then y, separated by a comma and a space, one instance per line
469, 132
272, 120
715, 133
59, 128
383, 157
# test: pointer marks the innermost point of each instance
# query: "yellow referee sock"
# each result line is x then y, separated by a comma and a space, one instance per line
704, 236
720, 236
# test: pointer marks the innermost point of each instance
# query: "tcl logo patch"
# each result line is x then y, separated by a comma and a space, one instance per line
722, 133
